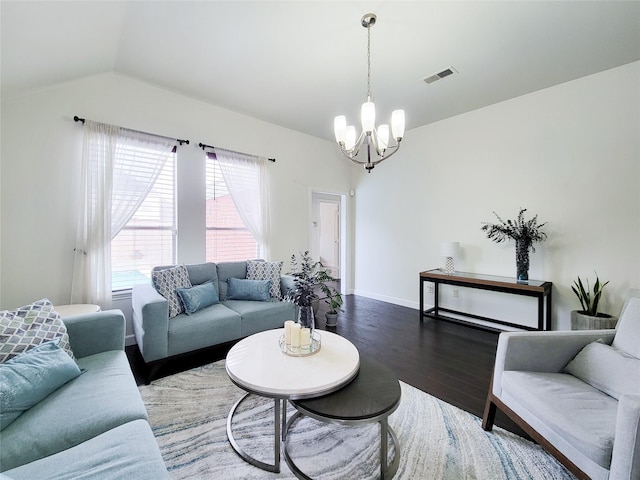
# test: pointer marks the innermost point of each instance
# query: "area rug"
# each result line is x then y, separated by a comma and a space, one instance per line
188, 414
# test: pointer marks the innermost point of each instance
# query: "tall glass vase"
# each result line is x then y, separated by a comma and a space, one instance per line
306, 318
522, 260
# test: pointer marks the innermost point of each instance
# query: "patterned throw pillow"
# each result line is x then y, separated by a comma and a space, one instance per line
266, 271
29, 326
167, 281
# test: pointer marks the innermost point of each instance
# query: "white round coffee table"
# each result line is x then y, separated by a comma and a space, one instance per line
257, 365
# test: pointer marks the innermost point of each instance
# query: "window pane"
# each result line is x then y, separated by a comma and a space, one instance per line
226, 236
149, 238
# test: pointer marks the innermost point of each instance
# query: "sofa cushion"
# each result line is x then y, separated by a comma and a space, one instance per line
27, 379
126, 451
608, 369
243, 289
227, 270
103, 397
259, 270
261, 316
198, 297
29, 326
210, 326
627, 337
203, 272
166, 281
582, 415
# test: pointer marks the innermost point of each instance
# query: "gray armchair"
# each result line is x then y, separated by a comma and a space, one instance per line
576, 393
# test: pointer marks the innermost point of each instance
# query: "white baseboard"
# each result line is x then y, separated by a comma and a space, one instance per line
130, 340
384, 298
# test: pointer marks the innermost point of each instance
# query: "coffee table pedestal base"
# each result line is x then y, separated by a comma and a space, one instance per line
387, 470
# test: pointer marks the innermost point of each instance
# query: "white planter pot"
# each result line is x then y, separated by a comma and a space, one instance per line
581, 321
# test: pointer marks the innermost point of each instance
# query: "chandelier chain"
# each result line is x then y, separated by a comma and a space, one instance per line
368, 61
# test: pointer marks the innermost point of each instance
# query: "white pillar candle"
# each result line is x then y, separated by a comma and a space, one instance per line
287, 331
305, 337
295, 335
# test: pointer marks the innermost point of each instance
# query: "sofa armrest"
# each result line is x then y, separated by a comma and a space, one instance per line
150, 322
541, 351
97, 332
625, 461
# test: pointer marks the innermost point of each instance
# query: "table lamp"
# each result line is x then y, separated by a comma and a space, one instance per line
449, 250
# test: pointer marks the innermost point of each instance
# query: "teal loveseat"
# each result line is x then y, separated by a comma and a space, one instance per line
160, 337
94, 426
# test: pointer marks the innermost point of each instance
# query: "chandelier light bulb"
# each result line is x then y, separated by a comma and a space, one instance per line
397, 124
350, 140
340, 128
368, 117
383, 137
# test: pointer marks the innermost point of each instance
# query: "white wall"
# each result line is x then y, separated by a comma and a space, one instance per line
41, 158
570, 153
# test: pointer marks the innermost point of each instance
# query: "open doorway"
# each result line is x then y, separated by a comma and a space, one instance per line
328, 233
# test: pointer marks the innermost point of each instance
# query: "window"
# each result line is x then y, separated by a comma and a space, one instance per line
148, 239
228, 239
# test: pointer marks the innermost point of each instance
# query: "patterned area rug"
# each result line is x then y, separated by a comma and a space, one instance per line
188, 413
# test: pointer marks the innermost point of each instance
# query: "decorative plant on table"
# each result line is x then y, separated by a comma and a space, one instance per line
524, 232
307, 275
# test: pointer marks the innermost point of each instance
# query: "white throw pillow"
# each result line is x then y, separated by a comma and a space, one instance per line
608, 369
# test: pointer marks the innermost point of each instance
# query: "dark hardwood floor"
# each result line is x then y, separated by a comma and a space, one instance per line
449, 361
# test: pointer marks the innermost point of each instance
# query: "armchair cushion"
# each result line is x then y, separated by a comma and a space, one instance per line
627, 337
578, 413
166, 281
608, 369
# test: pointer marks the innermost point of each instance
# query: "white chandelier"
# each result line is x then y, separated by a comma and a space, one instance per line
375, 139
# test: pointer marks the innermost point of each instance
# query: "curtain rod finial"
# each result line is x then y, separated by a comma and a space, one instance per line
78, 119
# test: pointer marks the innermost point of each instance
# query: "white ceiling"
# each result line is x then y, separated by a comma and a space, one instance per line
300, 63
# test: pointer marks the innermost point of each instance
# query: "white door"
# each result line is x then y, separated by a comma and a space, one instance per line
326, 236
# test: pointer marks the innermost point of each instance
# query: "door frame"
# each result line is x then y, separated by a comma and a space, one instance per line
341, 200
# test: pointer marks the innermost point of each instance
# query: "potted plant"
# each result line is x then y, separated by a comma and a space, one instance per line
307, 275
589, 318
334, 300
524, 232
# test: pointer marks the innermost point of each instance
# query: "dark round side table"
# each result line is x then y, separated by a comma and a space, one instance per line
371, 397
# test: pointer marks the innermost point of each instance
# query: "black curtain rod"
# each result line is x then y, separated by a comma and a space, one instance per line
204, 145
181, 142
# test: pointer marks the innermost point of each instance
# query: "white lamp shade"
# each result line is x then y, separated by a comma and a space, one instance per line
383, 136
350, 138
340, 128
397, 124
449, 249
368, 116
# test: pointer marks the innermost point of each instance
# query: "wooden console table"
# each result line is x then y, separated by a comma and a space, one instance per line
533, 288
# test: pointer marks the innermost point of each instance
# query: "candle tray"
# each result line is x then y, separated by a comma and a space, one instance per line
315, 346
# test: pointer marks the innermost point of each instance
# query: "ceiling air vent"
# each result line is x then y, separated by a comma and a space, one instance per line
437, 76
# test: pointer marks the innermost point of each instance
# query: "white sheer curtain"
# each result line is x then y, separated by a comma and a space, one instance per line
247, 179
119, 167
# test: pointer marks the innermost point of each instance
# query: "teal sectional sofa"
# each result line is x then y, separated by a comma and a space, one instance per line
160, 337
94, 426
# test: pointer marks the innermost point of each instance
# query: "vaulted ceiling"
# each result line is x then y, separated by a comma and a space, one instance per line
300, 63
